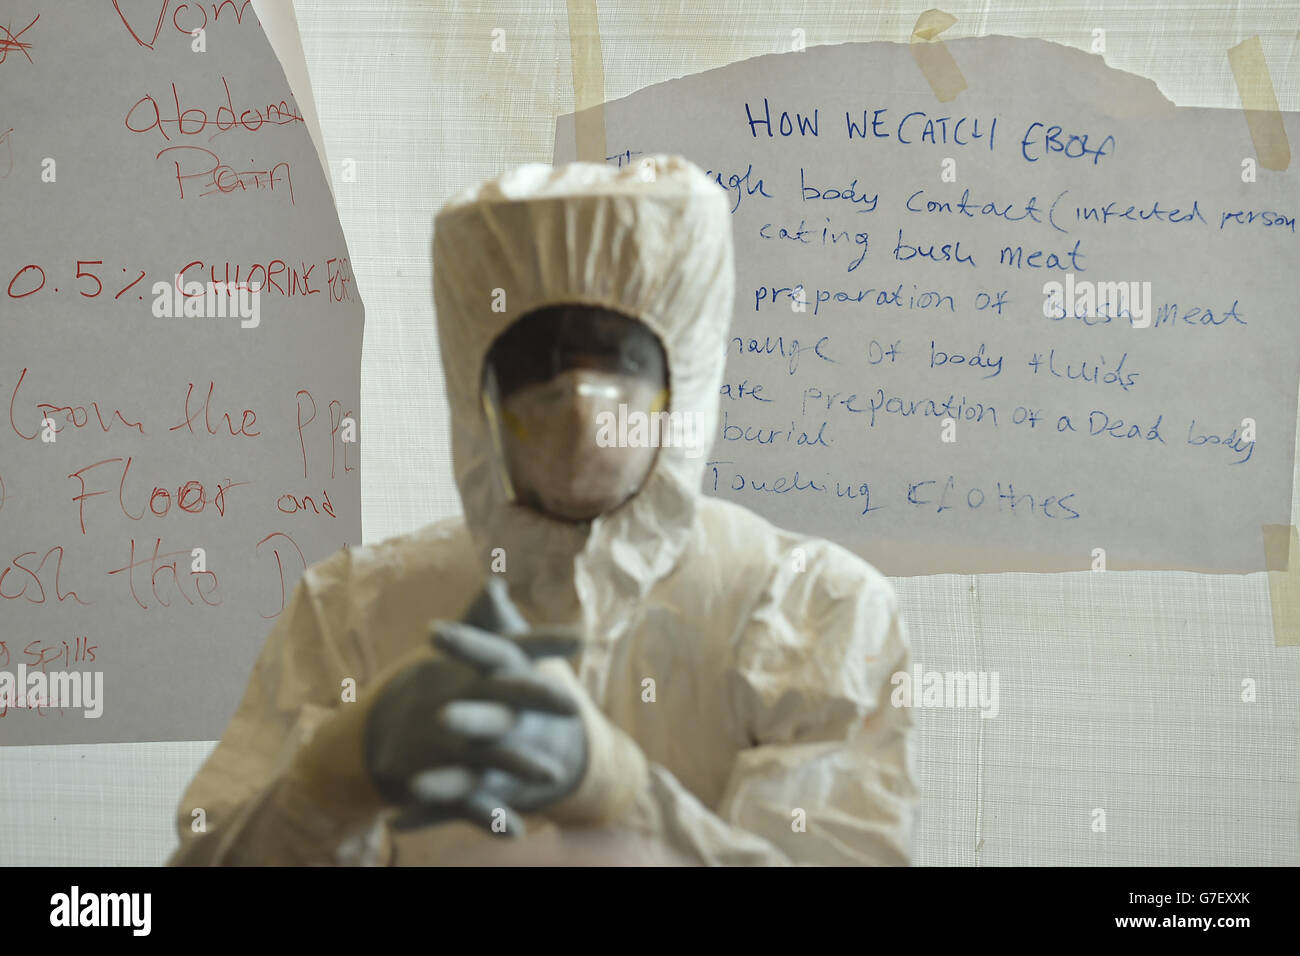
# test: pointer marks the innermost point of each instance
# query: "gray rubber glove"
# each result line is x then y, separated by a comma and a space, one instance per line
478, 733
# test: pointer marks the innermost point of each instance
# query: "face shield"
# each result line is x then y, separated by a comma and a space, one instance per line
559, 389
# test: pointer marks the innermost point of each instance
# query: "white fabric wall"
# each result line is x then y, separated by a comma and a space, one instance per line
1118, 691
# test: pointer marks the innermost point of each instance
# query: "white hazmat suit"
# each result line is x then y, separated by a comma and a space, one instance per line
734, 683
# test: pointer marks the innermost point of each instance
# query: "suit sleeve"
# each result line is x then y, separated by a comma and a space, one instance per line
261, 802
829, 775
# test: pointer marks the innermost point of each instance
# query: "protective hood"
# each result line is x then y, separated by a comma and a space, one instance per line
652, 241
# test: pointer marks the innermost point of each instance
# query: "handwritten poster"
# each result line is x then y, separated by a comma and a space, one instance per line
1049, 325
180, 340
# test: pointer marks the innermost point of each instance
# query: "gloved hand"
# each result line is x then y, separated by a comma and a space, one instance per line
478, 732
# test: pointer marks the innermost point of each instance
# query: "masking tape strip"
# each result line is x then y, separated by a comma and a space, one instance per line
1282, 559
940, 69
588, 81
1258, 99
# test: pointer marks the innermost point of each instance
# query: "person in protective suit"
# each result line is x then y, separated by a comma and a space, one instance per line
727, 698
